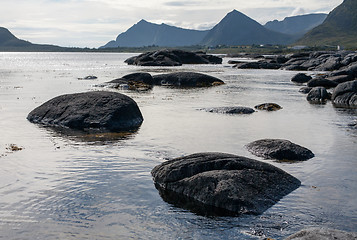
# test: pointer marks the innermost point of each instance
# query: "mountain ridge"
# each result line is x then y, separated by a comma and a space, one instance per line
339, 28
145, 33
297, 25
237, 28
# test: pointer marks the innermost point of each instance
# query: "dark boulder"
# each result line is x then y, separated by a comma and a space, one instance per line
305, 90
133, 81
172, 58
90, 110
258, 65
322, 234
318, 95
321, 82
230, 110
222, 184
301, 78
90, 77
279, 149
186, 79
345, 94
268, 107
340, 79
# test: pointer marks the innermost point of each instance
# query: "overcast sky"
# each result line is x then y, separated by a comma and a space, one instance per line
92, 23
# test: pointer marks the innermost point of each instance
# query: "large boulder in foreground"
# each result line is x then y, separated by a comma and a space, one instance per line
222, 184
90, 110
345, 94
279, 149
186, 79
172, 57
322, 234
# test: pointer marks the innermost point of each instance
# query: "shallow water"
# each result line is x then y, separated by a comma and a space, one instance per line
67, 185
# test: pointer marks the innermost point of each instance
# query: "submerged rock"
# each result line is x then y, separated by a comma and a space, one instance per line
98, 110
345, 94
279, 149
222, 184
230, 110
173, 57
186, 79
268, 107
318, 95
322, 234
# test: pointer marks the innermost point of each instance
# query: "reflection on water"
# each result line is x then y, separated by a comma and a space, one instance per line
79, 185
91, 136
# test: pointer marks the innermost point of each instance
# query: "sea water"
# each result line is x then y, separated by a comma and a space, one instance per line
71, 185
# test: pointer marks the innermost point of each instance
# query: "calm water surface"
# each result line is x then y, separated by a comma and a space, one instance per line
68, 185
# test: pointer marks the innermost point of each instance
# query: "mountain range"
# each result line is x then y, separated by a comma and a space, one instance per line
147, 34
338, 28
234, 29
296, 25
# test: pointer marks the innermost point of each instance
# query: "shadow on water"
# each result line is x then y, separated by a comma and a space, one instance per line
91, 136
192, 205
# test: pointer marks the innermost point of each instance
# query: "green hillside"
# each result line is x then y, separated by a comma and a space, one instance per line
339, 28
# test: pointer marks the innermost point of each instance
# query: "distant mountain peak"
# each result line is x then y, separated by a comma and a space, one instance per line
145, 33
237, 28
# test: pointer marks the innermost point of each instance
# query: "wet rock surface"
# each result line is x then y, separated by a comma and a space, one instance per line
109, 111
318, 95
345, 94
279, 149
230, 110
268, 107
172, 58
186, 79
301, 78
322, 233
222, 184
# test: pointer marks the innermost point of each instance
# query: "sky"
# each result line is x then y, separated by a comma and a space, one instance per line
93, 23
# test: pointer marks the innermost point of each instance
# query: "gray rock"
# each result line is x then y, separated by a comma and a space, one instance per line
222, 184
279, 149
186, 79
258, 65
318, 95
322, 234
230, 110
133, 81
345, 94
321, 82
172, 57
268, 107
90, 110
331, 63
340, 78
305, 90
301, 78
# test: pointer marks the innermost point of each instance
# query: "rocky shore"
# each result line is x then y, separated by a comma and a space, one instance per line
334, 70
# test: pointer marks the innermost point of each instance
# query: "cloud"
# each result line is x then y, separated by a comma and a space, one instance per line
298, 11
92, 23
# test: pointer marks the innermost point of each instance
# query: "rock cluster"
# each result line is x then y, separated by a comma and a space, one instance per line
322, 233
222, 184
145, 81
172, 57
